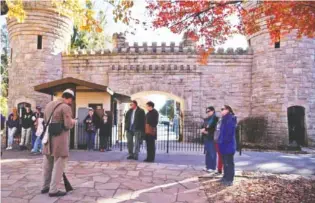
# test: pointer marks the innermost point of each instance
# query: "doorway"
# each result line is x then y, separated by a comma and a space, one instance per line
296, 125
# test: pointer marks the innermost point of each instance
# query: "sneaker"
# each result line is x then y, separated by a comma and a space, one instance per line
205, 169
217, 173
211, 171
8, 148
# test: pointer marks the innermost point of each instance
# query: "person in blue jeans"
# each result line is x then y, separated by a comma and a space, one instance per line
37, 148
91, 123
36, 115
208, 130
227, 144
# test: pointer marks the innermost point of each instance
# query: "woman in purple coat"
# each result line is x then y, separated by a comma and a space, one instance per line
227, 144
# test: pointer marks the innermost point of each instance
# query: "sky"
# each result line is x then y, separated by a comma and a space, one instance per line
150, 35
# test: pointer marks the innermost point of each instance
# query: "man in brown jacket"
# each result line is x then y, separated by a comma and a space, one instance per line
56, 150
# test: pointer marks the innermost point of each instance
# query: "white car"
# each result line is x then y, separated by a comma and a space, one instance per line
164, 120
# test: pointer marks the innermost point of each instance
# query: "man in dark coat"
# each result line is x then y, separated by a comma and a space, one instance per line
27, 124
92, 123
134, 126
152, 120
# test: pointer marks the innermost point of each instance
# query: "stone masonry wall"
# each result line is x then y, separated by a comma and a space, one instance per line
283, 77
31, 66
225, 80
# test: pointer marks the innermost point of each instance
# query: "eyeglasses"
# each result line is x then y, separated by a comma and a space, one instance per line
208, 111
223, 109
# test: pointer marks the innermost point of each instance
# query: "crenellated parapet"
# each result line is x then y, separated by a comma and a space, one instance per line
163, 48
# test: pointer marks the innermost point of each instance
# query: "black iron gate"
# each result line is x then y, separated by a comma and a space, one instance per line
169, 138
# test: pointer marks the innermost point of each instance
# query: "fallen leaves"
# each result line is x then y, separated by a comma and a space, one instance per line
259, 187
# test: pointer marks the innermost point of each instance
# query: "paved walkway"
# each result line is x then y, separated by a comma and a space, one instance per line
109, 177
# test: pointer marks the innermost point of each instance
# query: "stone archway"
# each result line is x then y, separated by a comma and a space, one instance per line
180, 86
22, 101
140, 95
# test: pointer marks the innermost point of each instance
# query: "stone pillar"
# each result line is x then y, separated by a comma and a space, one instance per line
36, 46
282, 77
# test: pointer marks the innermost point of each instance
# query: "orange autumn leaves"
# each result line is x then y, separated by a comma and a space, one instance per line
284, 17
209, 22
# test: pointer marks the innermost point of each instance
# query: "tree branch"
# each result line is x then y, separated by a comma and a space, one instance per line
211, 6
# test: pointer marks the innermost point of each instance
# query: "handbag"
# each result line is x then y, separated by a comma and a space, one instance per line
55, 129
149, 130
48, 123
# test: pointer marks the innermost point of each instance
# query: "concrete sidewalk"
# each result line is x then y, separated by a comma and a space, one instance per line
272, 162
109, 178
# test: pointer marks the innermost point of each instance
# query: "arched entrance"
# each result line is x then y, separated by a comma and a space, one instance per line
21, 107
143, 97
296, 125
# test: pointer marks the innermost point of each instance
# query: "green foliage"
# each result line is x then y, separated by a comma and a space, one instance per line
90, 40
4, 105
168, 109
4, 69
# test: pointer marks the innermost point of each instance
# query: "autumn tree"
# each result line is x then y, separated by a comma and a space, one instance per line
91, 40
209, 22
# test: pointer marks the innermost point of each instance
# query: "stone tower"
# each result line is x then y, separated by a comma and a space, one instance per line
283, 76
36, 46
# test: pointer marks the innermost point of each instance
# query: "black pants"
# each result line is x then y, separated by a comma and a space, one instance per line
104, 142
150, 147
228, 164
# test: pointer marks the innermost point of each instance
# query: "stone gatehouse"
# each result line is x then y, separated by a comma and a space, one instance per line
262, 81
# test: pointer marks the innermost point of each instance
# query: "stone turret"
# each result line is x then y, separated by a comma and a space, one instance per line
119, 41
188, 43
283, 76
36, 46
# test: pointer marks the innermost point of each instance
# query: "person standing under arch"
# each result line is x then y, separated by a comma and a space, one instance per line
27, 124
135, 127
152, 120
105, 128
91, 125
